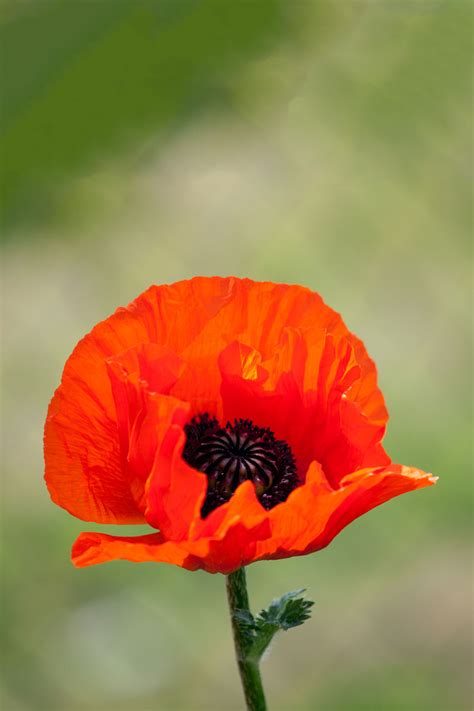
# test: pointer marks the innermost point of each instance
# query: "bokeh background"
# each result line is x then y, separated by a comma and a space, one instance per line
322, 143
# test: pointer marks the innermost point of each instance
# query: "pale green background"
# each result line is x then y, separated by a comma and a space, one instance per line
323, 143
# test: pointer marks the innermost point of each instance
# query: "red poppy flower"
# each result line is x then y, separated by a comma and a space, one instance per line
241, 420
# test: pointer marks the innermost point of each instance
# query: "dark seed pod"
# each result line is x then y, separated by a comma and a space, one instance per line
236, 453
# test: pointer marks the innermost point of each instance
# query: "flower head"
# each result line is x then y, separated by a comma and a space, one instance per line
241, 420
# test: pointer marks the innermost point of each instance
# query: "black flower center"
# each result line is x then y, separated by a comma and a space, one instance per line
239, 452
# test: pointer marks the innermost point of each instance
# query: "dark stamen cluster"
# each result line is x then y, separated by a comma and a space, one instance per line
235, 453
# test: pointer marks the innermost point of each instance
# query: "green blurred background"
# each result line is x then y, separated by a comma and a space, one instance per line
323, 143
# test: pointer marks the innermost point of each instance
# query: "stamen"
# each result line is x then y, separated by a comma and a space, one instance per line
239, 452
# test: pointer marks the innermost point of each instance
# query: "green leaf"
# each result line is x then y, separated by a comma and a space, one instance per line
287, 611
283, 613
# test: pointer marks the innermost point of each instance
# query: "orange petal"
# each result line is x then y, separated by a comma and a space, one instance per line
225, 546
140, 379
303, 392
243, 507
315, 513
175, 491
308, 521
83, 464
93, 548
83, 461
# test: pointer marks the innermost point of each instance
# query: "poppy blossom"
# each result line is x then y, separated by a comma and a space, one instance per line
240, 420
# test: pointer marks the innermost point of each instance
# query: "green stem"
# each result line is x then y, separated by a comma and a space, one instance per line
249, 672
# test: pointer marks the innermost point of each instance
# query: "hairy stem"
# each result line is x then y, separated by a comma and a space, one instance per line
249, 671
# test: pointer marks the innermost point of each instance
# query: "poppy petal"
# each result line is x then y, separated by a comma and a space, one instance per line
83, 459
315, 513
305, 399
140, 380
83, 462
175, 491
222, 551
92, 548
243, 507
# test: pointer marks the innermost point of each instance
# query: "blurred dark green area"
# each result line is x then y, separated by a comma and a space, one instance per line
327, 143
85, 79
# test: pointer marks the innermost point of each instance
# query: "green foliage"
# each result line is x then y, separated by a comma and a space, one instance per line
283, 613
83, 80
289, 610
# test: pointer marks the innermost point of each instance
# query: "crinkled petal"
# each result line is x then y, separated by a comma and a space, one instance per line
84, 472
175, 491
221, 546
315, 513
141, 379
243, 507
304, 393
91, 548
83, 459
